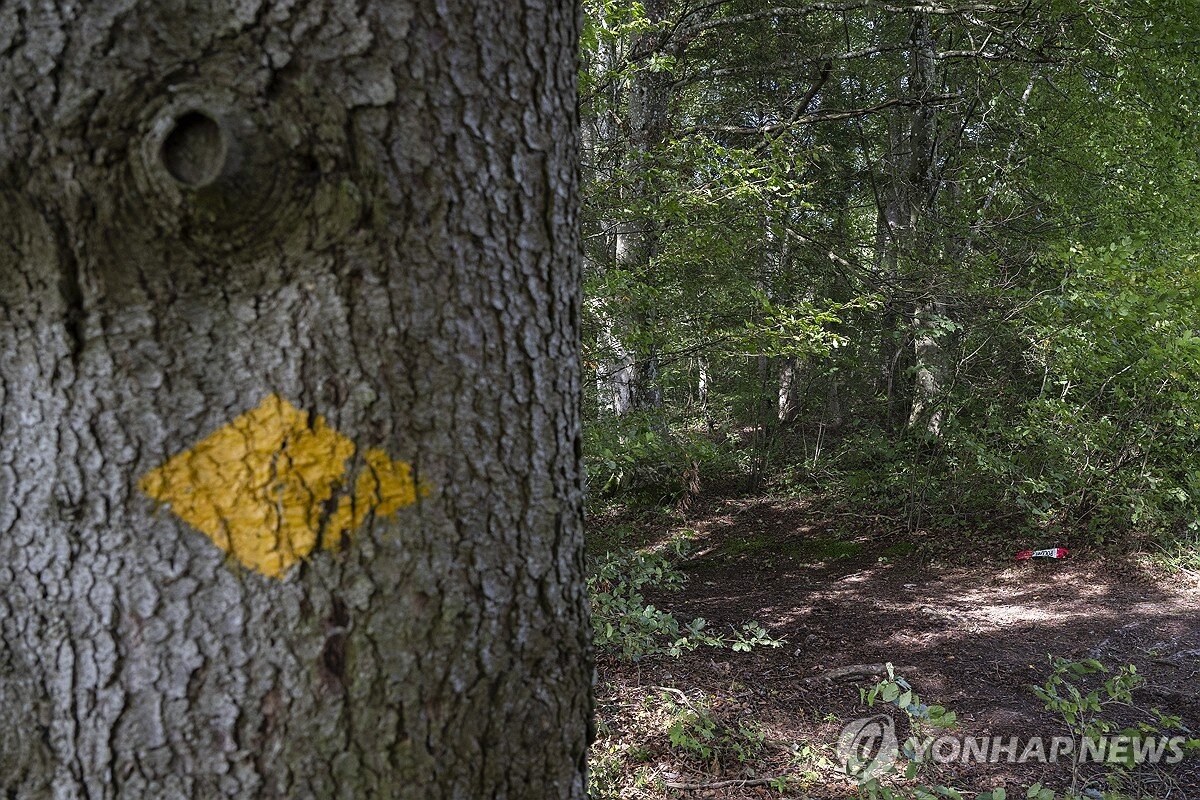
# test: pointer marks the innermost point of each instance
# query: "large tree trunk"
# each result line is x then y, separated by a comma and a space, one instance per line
348, 230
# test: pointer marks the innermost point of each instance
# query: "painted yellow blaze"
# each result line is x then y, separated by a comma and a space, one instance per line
261, 486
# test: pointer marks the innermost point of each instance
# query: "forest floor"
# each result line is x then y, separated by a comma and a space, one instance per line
971, 630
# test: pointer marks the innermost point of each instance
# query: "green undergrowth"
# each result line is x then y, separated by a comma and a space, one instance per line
626, 625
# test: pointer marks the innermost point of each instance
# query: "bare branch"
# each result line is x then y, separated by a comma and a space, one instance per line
811, 8
822, 116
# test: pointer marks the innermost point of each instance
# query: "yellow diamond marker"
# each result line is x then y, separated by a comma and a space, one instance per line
260, 486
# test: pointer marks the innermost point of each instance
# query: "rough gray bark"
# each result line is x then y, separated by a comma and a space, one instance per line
367, 209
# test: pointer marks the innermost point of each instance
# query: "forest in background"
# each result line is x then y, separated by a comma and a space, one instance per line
876, 295
938, 260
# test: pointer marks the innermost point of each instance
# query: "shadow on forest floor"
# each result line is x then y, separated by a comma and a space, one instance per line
970, 637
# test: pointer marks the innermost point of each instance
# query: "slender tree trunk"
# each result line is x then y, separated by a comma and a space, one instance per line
889, 231
288, 429
637, 238
791, 370
791, 390
930, 358
931, 371
616, 373
617, 364
703, 382
905, 250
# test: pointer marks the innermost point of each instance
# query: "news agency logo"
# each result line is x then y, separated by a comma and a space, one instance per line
868, 748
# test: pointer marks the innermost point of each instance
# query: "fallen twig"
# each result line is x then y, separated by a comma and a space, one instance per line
738, 782
858, 671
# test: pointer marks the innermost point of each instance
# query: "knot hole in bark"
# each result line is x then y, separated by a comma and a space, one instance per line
195, 151
226, 176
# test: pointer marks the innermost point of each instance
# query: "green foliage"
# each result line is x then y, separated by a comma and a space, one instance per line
633, 455
1089, 697
794, 330
896, 691
624, 623
1084, 693
1082, 708
1111, 440
1181, 553
605, 771
1099, 432
1042, 292
696, 732
627, 626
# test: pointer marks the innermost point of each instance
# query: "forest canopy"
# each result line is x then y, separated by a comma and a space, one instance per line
936, 258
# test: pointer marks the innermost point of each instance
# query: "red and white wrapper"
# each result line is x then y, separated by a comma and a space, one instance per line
1053, 552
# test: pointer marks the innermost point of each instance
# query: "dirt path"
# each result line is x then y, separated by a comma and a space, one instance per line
973, 637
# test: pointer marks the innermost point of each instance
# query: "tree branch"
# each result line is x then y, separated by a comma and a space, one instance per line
822, 116
810, 8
